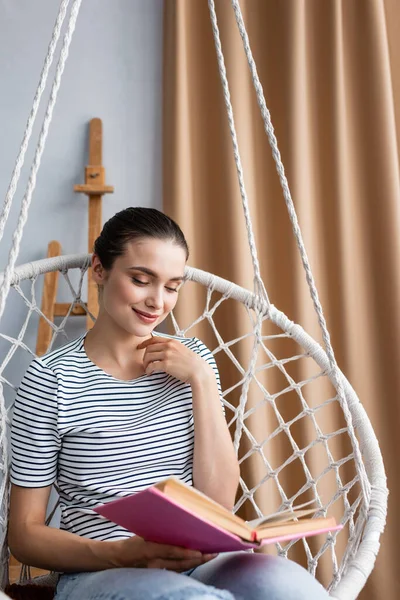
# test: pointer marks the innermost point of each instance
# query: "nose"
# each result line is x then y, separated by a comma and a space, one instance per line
155, 298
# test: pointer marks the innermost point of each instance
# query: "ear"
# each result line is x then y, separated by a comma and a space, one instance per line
98, 271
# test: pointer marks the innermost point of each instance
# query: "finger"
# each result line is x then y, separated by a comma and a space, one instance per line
170, 551
155, 367
178, 565
156, 348
147, 342
153, 357
151, 341
185, 565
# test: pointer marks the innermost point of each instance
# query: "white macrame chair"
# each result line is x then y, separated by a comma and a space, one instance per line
358, 500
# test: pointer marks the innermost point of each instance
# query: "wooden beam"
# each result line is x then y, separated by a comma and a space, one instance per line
45, 331
61, 309
96, 142
94, 187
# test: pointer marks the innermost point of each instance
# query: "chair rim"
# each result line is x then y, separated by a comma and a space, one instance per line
360, 566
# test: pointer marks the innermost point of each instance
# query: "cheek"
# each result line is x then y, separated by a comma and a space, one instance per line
120, 291
170, 301
127, 291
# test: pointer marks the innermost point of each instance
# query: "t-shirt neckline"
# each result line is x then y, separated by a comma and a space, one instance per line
82, 350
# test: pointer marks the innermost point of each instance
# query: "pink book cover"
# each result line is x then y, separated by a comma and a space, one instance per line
157, 518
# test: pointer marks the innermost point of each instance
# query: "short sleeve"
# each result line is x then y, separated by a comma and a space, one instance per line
35, 440
205, 353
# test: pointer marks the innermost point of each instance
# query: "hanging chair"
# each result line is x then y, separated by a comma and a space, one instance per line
287, 382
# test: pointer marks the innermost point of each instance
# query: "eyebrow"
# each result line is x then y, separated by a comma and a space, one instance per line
152, 273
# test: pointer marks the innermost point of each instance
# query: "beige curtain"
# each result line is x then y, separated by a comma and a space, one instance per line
331, 77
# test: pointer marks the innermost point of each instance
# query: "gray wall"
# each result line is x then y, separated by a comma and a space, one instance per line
114, 72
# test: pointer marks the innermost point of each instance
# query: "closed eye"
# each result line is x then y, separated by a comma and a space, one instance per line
137, 281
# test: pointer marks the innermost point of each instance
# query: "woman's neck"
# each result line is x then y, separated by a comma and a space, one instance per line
110, 344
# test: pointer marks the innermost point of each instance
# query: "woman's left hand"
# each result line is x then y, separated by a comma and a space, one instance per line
174, 358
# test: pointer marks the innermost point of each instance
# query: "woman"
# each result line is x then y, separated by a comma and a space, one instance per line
117, 410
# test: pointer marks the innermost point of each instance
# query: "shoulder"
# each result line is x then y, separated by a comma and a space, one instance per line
42, 378
45, 368
64, 355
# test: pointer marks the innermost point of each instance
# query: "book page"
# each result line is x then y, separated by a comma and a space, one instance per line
203, 506
298, 528
284, 515
192, 499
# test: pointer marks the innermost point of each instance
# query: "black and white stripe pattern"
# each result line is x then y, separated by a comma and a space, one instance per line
97, 436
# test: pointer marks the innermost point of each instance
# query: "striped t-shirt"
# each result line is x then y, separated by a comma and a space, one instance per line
100, 437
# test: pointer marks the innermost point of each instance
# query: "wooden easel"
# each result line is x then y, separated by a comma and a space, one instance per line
94, 187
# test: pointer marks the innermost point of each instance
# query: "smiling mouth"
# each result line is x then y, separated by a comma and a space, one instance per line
145, 316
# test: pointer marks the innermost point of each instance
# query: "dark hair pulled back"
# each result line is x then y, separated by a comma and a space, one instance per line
135, 223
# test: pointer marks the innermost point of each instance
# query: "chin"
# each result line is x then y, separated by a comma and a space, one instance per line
141, 331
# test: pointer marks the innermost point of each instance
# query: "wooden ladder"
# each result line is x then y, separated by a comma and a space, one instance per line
94, 187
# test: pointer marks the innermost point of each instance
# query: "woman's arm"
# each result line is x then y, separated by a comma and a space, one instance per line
34, 543
215, 467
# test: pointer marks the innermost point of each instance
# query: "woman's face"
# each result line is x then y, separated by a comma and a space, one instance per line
141, 288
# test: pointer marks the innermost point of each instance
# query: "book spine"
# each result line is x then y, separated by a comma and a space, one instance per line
254, 536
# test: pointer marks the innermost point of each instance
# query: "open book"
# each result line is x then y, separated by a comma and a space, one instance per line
172, 512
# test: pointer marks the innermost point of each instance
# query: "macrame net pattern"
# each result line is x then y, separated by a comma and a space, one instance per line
286, 424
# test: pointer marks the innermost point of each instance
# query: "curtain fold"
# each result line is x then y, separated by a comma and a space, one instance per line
331, 77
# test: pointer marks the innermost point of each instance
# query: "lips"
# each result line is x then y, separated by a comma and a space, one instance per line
145, 317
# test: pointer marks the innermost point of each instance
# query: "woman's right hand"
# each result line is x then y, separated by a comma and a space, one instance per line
136, 552
33, 543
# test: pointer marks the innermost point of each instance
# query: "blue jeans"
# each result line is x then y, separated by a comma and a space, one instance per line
233, 575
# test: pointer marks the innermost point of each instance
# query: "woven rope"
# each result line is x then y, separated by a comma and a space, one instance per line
373, 498
285, 187
347, 493
32, 116
23, 215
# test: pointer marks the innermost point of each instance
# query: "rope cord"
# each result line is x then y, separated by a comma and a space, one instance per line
23, 215
312, 402
259, 287
32, 117
289, 203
